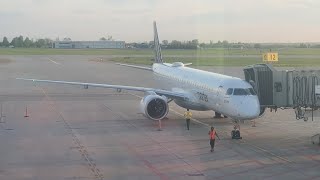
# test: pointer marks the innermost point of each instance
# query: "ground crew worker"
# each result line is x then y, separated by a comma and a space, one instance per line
212, 134
188, 116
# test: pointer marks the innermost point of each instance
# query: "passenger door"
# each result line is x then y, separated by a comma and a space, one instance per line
220, 95
226, 98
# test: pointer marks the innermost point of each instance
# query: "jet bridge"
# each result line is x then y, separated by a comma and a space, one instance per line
286, 89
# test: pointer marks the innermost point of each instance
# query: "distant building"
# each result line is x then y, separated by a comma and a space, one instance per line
88, 44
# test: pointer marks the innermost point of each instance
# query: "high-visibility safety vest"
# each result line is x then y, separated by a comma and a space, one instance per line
212, 134
188, 115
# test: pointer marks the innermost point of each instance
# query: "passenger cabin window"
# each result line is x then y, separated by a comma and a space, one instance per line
229, 91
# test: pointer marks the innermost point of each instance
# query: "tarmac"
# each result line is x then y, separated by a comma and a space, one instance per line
73, 133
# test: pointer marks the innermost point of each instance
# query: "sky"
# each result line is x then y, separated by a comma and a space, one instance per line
260, 21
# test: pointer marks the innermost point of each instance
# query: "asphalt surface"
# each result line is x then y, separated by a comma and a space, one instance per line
75, 133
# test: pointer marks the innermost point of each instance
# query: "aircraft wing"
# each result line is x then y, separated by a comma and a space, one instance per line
134, 66
170, 94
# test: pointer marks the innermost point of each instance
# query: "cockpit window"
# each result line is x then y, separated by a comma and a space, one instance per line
252, 91
240, 92
229, 91
243, 92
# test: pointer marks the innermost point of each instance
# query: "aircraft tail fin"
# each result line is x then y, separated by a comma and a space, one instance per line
157, 47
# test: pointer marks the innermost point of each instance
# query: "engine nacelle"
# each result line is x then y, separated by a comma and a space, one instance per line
155, 107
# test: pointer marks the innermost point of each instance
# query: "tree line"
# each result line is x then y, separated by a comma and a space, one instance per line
22, 42
194, 44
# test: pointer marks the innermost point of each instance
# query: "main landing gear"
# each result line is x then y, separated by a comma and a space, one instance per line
218, 115
235, 133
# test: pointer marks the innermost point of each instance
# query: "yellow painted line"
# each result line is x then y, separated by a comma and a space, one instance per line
82, 149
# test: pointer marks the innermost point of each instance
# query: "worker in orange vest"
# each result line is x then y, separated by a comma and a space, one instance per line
212, 134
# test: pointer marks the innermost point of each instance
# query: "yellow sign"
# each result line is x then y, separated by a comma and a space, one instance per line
273, 57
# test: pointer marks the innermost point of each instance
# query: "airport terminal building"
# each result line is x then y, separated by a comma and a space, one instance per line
88, 44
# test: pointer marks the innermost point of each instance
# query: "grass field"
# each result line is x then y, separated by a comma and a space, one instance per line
40, 51
202, 52
204, 57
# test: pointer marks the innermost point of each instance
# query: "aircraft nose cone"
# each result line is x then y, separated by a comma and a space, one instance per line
254, 112
250, 108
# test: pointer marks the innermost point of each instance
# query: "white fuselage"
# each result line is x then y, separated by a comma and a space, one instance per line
208, 91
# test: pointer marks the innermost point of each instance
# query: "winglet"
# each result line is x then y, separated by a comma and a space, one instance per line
157, 47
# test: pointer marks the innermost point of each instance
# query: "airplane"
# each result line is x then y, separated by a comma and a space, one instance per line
193, 89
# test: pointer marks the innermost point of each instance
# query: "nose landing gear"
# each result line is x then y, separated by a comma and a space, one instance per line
218, 115
235, 133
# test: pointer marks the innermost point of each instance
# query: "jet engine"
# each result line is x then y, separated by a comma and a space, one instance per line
155, 107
